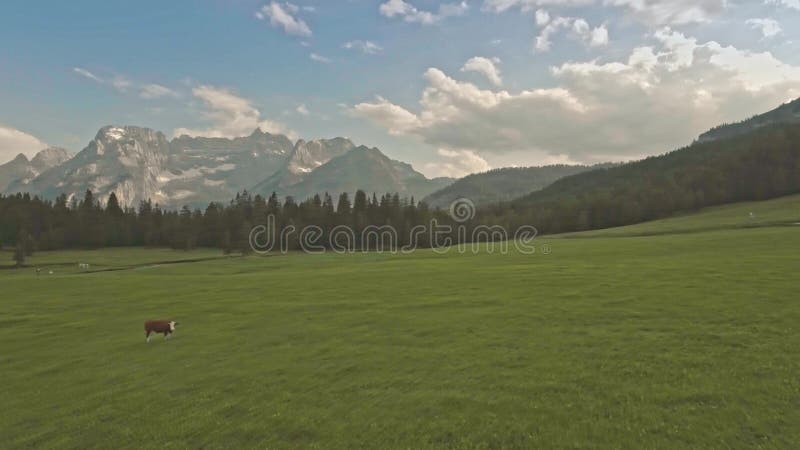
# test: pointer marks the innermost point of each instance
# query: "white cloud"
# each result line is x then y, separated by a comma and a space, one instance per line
153, 91
302, 110
652, 12
794, 4
599, 37
87, 74
13, 142
122, 84
394, 118
768, 27
281, 16
230, 115
577, 27
542, 17
456, 164
671, 12
499, 6
409, 13
365, 47
657, 99
319, 58
485, 66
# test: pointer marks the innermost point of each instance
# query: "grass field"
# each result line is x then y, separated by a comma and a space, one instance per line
687, 340
783, 211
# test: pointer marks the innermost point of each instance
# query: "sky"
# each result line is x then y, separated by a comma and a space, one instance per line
452, 87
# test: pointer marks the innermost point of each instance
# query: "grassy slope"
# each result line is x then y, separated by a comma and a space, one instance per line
776, 212
685, 340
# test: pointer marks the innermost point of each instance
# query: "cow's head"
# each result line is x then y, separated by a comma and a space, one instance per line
172, 324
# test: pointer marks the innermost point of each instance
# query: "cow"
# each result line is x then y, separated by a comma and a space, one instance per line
166, 327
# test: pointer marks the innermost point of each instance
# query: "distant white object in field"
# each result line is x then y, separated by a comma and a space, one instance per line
50, 272
752, 215
83, 266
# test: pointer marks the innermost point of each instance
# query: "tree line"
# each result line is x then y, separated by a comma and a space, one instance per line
30, 223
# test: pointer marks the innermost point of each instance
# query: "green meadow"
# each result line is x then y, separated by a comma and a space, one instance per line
682, 333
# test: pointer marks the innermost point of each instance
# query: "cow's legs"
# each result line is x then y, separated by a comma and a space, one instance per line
147, 336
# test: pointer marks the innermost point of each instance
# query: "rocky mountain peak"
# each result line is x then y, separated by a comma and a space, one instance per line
19, 159
50, 157
308, 155
129, 145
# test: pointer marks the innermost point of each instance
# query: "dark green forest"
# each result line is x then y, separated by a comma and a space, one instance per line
759, 165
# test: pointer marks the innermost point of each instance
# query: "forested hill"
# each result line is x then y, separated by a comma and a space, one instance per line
502, 184
761, 164
786, 113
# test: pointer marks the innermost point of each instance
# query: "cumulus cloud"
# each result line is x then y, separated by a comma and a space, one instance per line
651, 12
395, 119
485, 66
409, 13
577, 27
456, 164
13, 142
230, 115
365, 47
542, 17
283, 16
657, 99
768, 27
302, 110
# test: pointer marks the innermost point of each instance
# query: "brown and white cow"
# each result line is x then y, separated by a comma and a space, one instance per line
166, 327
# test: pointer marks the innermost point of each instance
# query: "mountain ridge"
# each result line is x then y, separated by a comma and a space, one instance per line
502, 184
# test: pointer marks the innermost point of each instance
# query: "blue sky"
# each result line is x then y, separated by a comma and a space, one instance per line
452, 87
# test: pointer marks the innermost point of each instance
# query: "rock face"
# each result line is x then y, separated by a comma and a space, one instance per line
214, 169
21, 170
140, 164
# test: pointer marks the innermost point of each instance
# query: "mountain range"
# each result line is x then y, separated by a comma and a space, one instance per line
140, 163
